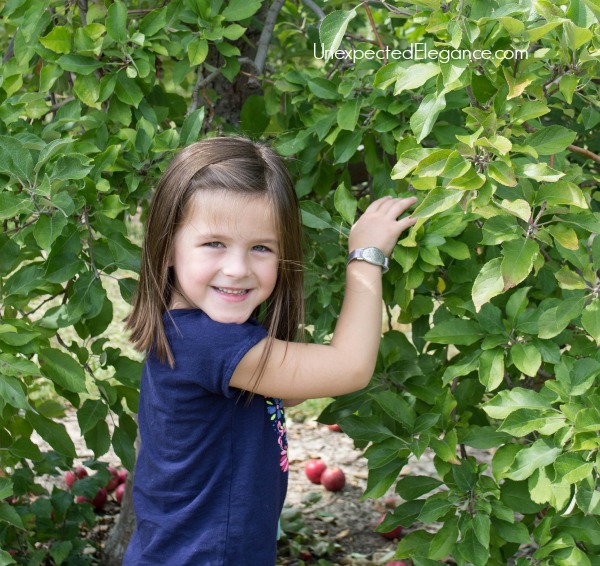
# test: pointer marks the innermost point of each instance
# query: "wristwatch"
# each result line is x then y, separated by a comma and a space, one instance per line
370, 255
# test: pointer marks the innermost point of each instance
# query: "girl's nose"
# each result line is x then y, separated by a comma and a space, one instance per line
236, 265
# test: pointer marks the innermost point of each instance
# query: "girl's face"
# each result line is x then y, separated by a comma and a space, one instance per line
225, 255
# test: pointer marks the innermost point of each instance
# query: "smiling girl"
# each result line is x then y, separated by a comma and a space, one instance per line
218, 309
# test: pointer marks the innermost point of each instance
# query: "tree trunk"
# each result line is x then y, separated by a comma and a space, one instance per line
118, 538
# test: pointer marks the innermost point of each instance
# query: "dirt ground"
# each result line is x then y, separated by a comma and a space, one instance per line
340, 517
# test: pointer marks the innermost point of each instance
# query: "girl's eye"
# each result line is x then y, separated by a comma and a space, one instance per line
260, 248
213, 244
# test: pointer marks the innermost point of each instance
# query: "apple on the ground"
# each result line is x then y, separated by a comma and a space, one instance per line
314, 469
333, 479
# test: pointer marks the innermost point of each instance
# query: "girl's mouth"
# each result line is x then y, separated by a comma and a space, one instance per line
236, 292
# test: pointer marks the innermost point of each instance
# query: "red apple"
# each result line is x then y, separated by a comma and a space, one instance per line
70, 478
314, 469
122, 476
113, 482
394, 533
119, 492
333, 479
396, 563
100, 499
335, 427
81, 472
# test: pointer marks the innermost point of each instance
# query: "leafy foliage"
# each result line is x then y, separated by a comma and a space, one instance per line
498, 283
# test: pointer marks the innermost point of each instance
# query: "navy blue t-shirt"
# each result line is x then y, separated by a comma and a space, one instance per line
211, 474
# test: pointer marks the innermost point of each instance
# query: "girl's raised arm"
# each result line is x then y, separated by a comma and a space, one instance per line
302, 371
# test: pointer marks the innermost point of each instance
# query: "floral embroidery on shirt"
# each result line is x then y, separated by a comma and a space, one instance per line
277, 417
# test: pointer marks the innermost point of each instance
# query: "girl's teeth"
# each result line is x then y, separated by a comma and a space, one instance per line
231, 292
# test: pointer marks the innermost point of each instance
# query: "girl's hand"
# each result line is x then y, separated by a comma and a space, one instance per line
379, 225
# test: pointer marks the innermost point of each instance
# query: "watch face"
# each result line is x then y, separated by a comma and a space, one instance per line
374, 255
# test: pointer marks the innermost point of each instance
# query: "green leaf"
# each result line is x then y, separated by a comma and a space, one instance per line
414, 544
550, 140
567, 86
332, 30
562, 192
527, 358
435, 508
191, 127
323, 88
488, 283
53, 433
47, 229
412, 487
491, 368
15, 160
11, 392
315, 216
6, 488
575, 36
79, 64
154, 22
347, 114
554, 320
590, 319
408, 160
345, 203
540, 172
128, 91
58, 40
197, 51
507, 402
98, 439
423, 120
455, 331
472, 550
444, 540
525, 421
90, 413
572, 468
116, 22
438, 200
124, 448
564, 235
62, 369
237, 10
414, 76
8, 514
588, 500
346, 145
503, 173
87, 89
538, 455
381, 479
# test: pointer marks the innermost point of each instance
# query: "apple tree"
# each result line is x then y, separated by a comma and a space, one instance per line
492, 298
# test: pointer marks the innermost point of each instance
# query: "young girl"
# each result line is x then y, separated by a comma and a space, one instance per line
218, 306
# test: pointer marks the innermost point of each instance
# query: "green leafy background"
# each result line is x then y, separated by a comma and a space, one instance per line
492, 298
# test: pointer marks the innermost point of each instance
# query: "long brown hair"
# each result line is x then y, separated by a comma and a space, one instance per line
231, 163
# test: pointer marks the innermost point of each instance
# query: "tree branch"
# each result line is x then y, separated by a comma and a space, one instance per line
585, 152
265, 36
83, 9
374, 28
201, 82
316, 9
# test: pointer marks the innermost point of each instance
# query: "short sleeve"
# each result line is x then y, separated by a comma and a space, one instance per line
207, 352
